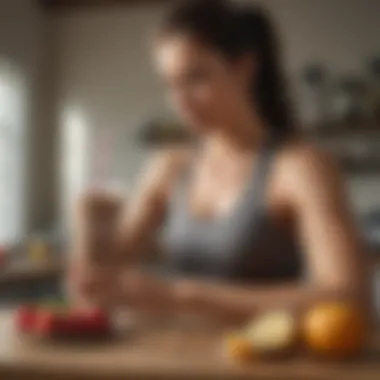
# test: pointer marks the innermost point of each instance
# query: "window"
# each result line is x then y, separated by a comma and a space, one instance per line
12, 132
74, 158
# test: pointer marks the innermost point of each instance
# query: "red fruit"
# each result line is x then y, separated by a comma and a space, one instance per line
74, 324
99, 316
48, 323
87, 322
25, 318
63, 325
98, 320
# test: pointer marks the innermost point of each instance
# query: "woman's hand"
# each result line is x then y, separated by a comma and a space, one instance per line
111, 287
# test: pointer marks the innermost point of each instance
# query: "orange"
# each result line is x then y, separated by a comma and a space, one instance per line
238, 347
334, 329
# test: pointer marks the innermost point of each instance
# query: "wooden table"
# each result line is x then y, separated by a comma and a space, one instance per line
161, 353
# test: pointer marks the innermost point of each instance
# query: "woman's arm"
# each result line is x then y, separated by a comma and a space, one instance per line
147, 206
98, 256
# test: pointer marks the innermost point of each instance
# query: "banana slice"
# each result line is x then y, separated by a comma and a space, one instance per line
274, 332
238, 348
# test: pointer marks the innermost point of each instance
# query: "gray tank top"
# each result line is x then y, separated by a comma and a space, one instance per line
244, 246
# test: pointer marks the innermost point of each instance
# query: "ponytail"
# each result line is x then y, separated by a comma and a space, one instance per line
269, 88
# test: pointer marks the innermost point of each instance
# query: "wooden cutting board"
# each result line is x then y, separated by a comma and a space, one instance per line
161, 352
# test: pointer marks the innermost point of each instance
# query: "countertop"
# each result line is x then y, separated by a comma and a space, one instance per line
158, 352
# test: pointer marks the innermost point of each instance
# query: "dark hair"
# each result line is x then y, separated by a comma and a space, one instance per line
234, 30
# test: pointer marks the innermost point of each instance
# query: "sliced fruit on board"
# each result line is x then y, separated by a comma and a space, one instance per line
48, 323
25, 318
89, 322
44, 321
238, 348
272, 333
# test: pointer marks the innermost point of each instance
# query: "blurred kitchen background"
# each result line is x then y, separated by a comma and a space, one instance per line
80, 105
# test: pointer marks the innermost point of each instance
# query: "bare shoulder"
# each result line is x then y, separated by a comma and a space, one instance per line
306, 159
305, 168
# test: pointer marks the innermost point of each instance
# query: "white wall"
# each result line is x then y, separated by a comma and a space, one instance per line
339, 33
23, 49
105, 72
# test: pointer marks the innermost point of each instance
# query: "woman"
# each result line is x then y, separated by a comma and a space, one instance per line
249, 217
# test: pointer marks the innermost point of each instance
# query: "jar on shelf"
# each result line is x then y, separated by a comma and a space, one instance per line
315, 96
374, 76
350, 106
38, 248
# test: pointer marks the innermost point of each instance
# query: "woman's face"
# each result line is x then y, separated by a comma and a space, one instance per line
204, 87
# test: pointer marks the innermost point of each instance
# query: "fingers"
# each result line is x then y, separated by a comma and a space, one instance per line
93, 279
114, 287
99, 286
146, 292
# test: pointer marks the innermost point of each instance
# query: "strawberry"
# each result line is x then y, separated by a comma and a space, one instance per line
50, 323
45, 323
91, 322
99, 316
25, 318
75, 324
98, 320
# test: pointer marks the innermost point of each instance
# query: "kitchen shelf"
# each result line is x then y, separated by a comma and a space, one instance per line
77, 4
27, 271
343, 133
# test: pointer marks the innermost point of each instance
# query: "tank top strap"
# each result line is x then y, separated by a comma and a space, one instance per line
188, 169
180, 190
262, 170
